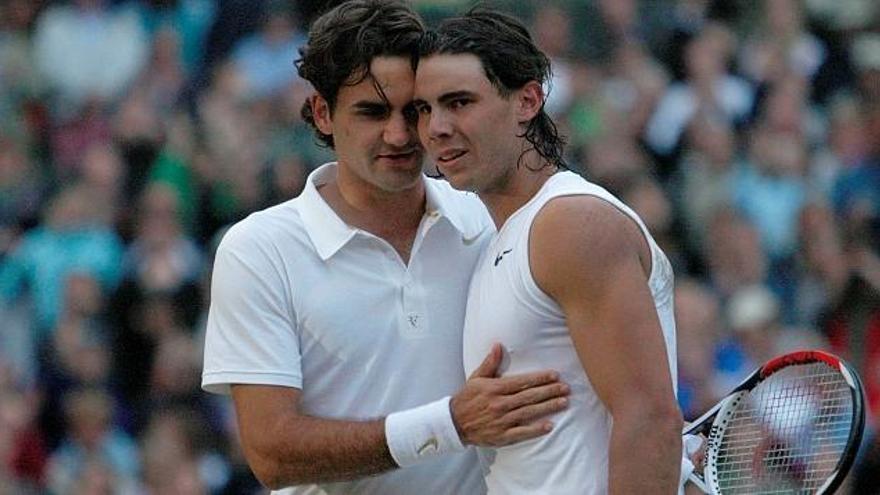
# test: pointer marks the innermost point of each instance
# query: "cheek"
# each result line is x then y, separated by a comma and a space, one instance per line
422, 130
353, 140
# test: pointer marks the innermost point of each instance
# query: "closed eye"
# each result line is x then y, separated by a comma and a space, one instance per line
372, 110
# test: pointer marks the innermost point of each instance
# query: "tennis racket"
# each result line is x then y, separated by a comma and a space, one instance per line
793, 426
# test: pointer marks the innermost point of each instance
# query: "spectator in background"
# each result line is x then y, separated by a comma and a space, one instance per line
733, 253
552, 28
23, 453
175, 167
754, 317
164, 76
845, 146
781, 45
769, 188
612, 24
856, 194
702, 183
94, 449
160, 293
102, 175
615, 161
264, 60
72, 237
634, 85
234, 137
89, 49
188, 21
699, 327
852, 319
865, 52
823, 270
77, 354
21, 192
786, 107
174, 455
708, 88
143, 321
161, 257
71, 136
19, 78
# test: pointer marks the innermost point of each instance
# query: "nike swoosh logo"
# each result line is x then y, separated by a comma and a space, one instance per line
501, 256
470, 240
432, 442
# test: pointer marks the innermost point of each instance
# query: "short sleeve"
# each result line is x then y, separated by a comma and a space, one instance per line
251, 335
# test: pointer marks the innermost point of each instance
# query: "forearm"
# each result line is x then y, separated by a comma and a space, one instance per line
303, 449
645, 454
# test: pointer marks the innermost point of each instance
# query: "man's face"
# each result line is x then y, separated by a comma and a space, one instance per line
375, 140
469, 129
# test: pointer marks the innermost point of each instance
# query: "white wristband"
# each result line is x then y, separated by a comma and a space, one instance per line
421, 433
691, 444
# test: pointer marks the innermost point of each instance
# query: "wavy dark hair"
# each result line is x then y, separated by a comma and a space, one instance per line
510, 59
344, 41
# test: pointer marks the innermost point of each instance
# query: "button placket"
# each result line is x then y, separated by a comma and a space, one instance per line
414, 323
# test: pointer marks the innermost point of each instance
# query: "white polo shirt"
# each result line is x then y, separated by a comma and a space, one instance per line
301, 299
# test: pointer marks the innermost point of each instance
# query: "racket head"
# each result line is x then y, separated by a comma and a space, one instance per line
794, 426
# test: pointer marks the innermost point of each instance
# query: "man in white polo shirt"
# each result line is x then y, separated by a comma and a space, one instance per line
336, 317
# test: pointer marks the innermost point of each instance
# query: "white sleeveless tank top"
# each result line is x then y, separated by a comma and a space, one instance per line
505, 305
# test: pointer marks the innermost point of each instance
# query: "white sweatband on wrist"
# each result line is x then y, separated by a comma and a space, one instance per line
421, 433
691, 444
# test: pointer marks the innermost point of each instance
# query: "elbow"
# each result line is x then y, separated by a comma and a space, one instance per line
660, 420
269, 474
272, 469
277, 468
666, 417
667, 421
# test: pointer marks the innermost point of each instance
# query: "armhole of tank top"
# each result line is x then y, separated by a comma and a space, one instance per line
653, 248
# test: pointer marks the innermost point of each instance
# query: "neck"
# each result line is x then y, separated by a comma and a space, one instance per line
365, 206
524, 182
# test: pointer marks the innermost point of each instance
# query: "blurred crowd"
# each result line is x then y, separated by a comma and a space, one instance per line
745, 133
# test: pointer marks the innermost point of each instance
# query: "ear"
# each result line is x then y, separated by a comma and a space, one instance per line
321, 114
530, 100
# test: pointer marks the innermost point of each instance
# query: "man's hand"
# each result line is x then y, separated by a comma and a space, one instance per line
491, 411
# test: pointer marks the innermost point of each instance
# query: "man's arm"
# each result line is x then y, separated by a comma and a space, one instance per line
594, 261
285, 447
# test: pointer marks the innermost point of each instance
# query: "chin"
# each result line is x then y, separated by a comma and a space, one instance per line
457, 182
399, 180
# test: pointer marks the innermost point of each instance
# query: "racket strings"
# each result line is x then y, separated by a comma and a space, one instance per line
787, 434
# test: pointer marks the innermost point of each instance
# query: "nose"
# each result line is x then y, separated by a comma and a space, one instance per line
438, 125
398, 132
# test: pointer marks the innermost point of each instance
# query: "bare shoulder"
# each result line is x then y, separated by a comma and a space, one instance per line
584, 239
585, 222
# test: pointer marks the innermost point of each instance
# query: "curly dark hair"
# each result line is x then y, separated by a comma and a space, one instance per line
344, 41
510, 59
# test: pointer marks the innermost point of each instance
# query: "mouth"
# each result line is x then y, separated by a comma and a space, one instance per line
448, 157
401, 156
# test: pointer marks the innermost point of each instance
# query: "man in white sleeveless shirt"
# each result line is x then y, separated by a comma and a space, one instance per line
336, 317
572, 279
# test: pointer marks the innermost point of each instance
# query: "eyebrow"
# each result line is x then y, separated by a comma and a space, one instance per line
370, 105
447, 97
454, 95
